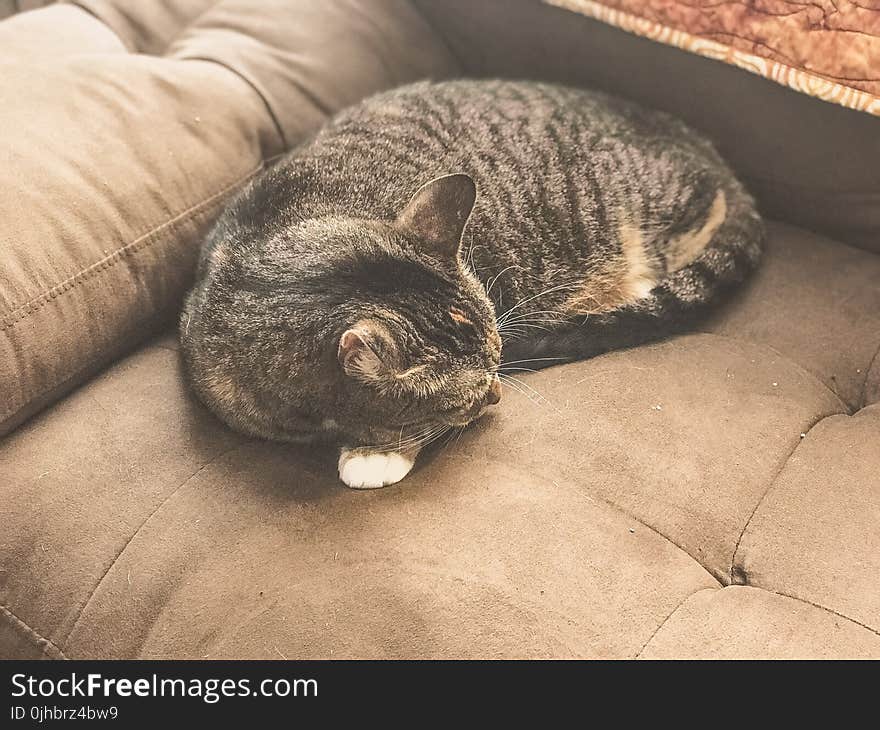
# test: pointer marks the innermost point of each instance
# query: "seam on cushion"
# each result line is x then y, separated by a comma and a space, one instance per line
60, 390
819, 606
580, 491
770, 486
185, 27
766, 590
666, 620
143, 524
22, 311
31, 306
47, 646
90, 13
35, 304
278, 128
618, 508
874, 360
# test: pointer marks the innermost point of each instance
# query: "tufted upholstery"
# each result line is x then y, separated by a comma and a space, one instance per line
714, 495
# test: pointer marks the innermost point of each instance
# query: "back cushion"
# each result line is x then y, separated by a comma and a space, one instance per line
128, 126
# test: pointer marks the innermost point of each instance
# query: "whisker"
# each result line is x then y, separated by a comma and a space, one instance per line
454, 436
495, 278
443, 430
469, 259
525, 322
416, 439
523, 393
533, 359
529, 388
515, 330
526, 315
449, 436
529, 318
512, 382
558, 287
501, 330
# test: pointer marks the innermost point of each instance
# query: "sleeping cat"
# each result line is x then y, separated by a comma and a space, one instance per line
361, 289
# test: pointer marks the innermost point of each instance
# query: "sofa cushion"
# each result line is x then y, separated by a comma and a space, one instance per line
100, 233
739, 621
307, 59
133, 129
660, 501
832, 331
815, 543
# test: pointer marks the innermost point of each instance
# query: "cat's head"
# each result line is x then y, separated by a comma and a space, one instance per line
432, 349
378, 326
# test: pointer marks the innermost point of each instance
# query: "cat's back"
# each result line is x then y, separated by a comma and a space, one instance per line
515, 138
435, 123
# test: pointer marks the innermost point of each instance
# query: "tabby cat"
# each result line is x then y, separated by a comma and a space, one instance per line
361, 289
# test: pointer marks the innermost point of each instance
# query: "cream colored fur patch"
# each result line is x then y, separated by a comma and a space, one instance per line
686, 247
640, 276
624, 280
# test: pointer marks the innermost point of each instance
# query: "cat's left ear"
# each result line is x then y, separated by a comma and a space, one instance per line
366, 351
439, 211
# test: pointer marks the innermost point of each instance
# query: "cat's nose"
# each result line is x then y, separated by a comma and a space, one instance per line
494, 391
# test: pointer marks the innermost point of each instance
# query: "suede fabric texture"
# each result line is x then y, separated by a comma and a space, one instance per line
11, 7
714, 495
663, 503
140, 120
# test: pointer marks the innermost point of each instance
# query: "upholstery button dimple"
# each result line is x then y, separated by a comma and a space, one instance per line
738, 576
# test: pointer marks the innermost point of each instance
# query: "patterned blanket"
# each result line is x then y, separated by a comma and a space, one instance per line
826, 48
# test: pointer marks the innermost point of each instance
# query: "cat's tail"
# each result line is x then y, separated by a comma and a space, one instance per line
677, 303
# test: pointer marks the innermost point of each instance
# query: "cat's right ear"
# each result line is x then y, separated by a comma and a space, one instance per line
438, 212
364, 351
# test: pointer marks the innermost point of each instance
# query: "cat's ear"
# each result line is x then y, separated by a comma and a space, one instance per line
365, 351
439, 211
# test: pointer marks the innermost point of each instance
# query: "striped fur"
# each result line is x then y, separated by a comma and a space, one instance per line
327, 292
561, 175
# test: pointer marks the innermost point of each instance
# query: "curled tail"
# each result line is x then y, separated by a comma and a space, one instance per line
677, 303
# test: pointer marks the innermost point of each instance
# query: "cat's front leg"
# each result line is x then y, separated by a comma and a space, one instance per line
365, 468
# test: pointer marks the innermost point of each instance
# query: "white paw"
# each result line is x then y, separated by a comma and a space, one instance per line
363, 470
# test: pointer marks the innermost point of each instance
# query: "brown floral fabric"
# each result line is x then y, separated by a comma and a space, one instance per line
825, 48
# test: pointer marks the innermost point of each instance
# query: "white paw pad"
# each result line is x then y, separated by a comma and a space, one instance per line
363, 470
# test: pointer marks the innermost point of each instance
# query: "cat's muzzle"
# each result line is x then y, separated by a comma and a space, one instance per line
494, 394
